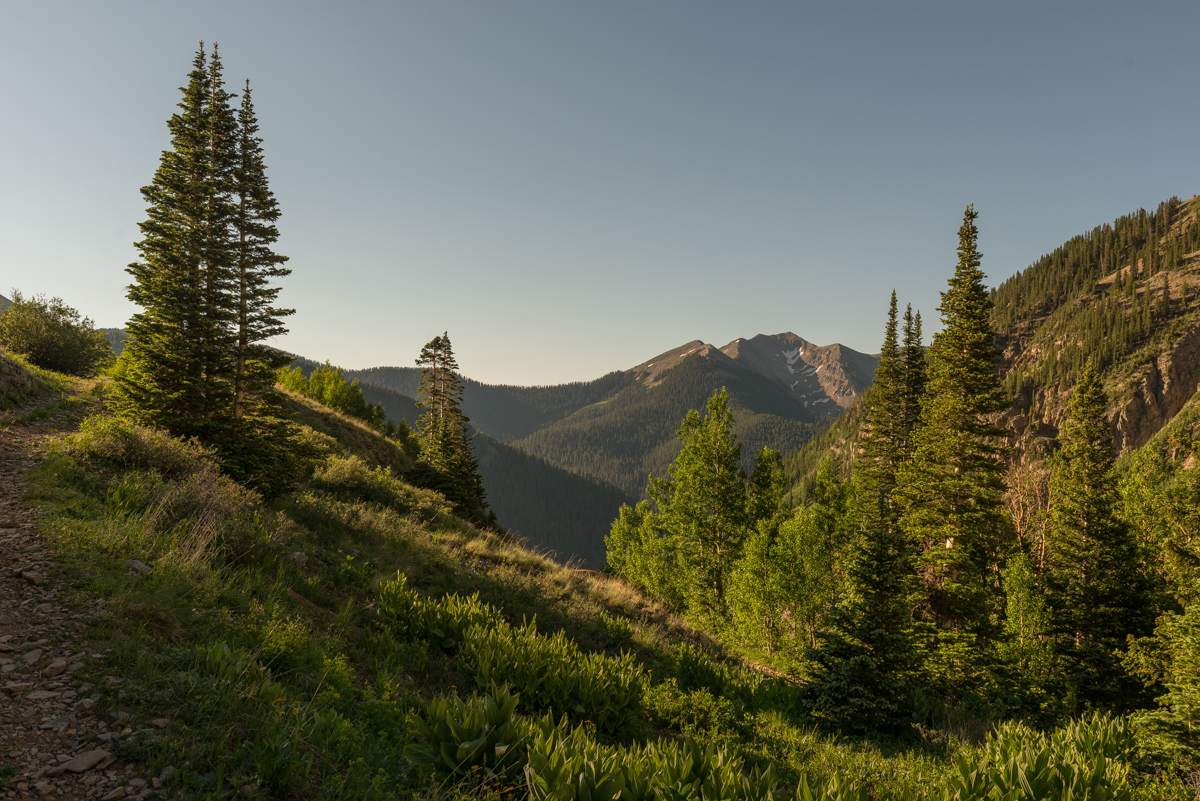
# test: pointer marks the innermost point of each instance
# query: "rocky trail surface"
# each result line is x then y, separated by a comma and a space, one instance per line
53, 741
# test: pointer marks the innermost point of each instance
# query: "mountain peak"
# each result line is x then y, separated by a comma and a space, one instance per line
823, 377
650, 372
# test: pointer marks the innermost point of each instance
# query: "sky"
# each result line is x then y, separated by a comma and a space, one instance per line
573, 188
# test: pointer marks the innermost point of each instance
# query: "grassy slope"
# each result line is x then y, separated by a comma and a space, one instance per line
222, 575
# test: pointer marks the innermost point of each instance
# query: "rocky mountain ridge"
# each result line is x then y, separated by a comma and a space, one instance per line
822, 378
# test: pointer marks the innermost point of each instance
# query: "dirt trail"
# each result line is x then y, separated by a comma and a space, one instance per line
51, 733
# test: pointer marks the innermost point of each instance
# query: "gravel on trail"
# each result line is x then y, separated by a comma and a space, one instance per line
51, 731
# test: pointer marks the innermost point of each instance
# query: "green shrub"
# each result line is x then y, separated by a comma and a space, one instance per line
405, 615
1088, 758
687, 769
124, 444
53, 335
554, 675
350, 478
473, 738
566, 764
177, 503
482, 738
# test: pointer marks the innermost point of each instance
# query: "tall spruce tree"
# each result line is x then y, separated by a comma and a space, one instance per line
169, 356
952, 491
882, 435
863, 669
914, 377
1097, 591
864, 662
217, 268
446, 447
193, 363
257, 264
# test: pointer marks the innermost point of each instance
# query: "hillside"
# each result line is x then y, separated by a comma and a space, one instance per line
325, 644
506, 412
1123, 294
624, 439
555, 511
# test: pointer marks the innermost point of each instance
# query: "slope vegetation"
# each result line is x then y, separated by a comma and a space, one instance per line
555, 511
327, 644
1125, 295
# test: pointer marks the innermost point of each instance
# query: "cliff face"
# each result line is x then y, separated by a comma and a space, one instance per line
1123, 297
1165, 385
1147, 396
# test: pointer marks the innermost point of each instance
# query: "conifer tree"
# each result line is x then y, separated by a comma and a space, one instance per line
881, 435
447, 449
864, 662
257, 264
170, 356
193, 362
952, 492
1098, 594
863, 668
914, 377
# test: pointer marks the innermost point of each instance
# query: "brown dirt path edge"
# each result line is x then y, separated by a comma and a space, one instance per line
53, 743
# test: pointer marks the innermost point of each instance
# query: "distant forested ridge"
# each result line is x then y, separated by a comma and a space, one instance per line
507, 412
633, 435
555, 511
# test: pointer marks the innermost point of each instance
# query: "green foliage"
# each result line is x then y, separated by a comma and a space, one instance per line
790, 573
701, 518
1171, 660
448, 623
350, 478
551, 671
127, 445
554, 675
1088, 758
1026, 644
864, 665
1097, 298
951, 493
883, 437
475, 738
255, 265
446, 443
193, 361
565, 768
1097, 593
53, 336
330, 386
1160, 496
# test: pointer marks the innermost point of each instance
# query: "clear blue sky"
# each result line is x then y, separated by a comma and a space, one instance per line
572, 188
